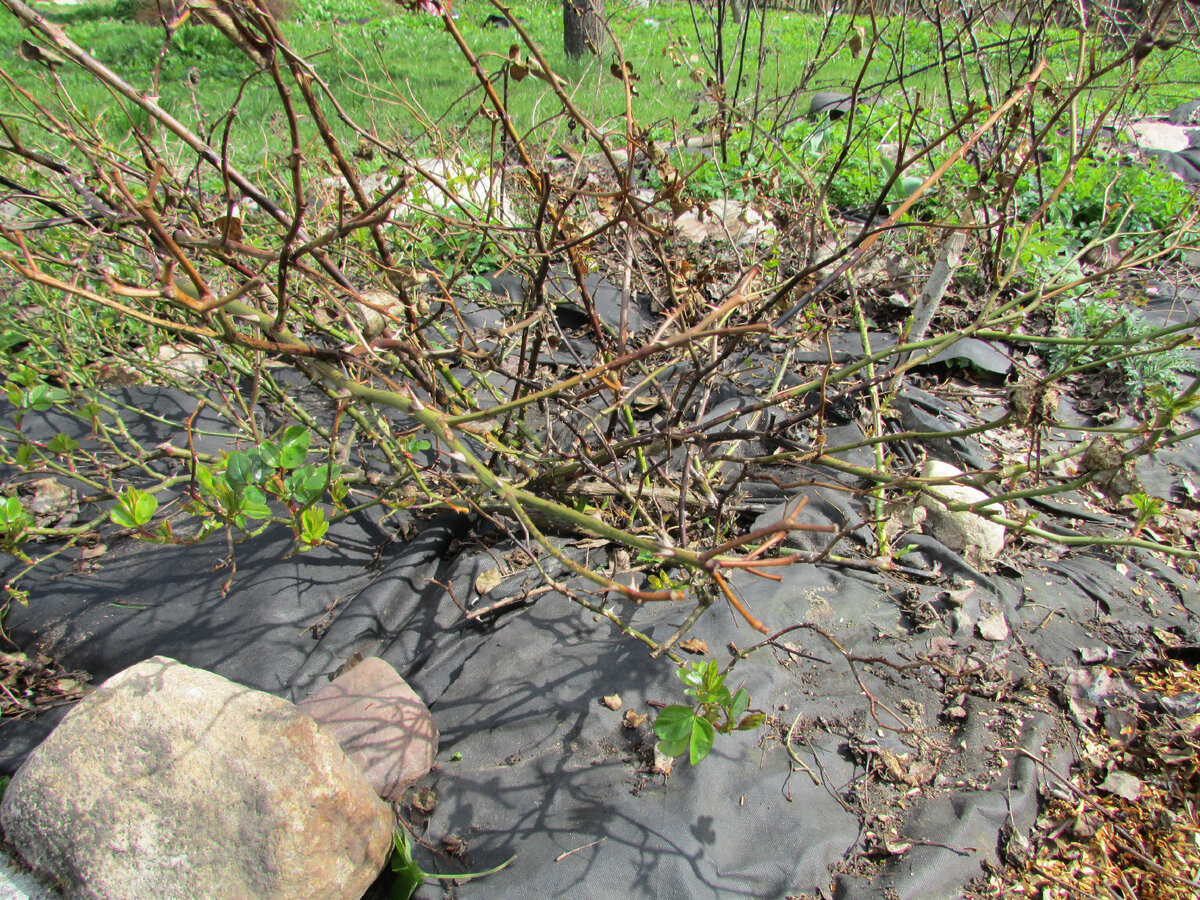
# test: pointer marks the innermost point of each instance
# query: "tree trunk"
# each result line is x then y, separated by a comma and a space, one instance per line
583, 27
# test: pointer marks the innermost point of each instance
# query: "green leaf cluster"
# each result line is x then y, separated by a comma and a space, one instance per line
1105, 194
1095, 318
28, 393
692, 729
134, 508
242, 492
1147, 508
14, 519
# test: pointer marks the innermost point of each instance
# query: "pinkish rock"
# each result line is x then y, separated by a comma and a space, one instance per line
381, 723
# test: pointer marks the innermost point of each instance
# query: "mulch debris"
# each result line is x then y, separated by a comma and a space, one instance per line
32, 684
1124, 824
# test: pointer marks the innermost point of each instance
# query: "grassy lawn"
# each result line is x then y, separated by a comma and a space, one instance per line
400, 74
400, 77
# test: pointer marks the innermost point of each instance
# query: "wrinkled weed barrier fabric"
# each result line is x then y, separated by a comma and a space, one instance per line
914, 720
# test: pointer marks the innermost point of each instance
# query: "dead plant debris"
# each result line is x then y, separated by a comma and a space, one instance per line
30, 685
1091, 839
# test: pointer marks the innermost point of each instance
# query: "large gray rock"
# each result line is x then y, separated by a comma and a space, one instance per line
173, 782
979, 539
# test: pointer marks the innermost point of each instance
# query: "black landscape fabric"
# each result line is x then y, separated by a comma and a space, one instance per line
542, 769
914, 718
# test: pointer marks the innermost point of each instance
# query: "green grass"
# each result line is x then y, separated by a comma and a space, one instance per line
400, 75
384, 63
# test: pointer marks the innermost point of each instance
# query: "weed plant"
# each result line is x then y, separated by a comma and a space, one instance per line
1093, 320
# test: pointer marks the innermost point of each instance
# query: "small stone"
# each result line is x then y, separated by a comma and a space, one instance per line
979, 539
375, 311
1120, 725
1083, 711
1090, 656
380, 723
50, 501
961, 622
1105, 462
662, 763
612, 701
940, 645
724, 221
957, 597
994, 627
182, 361
1183, 705
1158, 136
